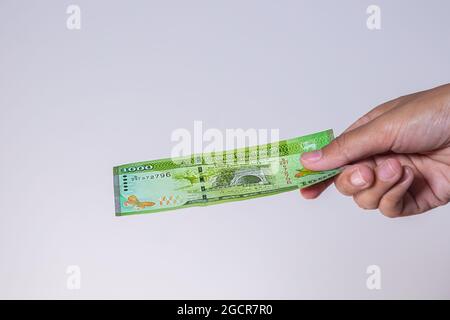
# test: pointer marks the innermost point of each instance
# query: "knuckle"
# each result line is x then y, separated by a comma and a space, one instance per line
390, 207
342, 186
386, 132
365, 202
388, 200
361, 121
390, 213
365, 119
341, 143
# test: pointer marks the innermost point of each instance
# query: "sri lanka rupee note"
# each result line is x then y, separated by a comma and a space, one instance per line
217, 177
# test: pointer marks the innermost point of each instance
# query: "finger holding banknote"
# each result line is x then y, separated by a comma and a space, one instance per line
315, 190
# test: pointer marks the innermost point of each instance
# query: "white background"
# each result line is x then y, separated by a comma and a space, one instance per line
75, 103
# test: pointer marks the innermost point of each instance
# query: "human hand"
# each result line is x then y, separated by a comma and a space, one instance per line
396, 157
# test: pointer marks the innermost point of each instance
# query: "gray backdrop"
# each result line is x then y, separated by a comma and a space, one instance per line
75, 103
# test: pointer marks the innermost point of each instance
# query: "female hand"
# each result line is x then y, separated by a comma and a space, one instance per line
396, 157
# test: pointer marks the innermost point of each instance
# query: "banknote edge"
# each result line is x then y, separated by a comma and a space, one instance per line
117, 194
329, 132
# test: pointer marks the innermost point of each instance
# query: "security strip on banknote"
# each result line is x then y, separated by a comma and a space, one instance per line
217, 177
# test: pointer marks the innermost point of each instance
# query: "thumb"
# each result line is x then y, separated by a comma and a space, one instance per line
360, 143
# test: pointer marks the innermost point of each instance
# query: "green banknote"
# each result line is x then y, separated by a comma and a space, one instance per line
217, 177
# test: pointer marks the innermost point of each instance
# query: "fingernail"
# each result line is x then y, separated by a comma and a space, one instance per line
312, 156
357, 179
406, 174
386, 171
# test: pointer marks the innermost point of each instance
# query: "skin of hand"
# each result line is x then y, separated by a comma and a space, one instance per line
396, 157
